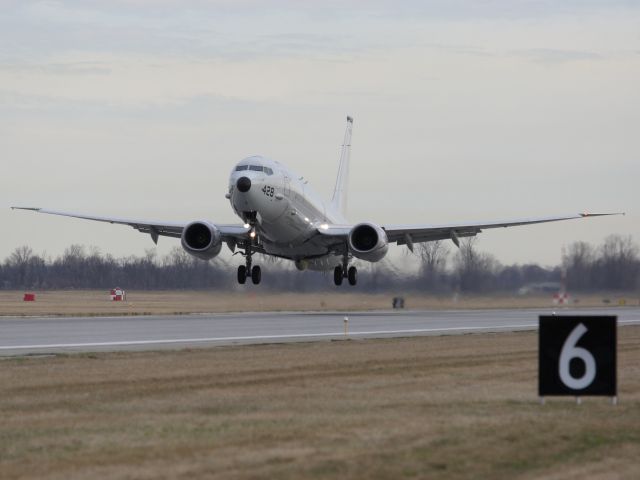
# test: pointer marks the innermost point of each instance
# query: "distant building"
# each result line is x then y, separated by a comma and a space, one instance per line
540, 287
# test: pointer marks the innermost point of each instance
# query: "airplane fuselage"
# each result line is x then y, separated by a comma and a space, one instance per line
284, 211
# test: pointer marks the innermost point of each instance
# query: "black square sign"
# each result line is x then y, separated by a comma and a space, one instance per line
577, 355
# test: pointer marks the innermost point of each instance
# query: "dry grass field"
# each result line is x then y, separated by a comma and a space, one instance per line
428, 407
93, 302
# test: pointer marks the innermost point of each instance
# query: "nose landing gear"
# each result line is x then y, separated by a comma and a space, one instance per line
246, 271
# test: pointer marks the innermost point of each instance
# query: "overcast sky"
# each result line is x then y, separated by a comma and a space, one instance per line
464, 110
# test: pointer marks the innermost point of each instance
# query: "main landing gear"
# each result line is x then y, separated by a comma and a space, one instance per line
351, 274
246, 271
255, 273
344, 271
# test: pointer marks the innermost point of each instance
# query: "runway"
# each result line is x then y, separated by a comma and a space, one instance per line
41, 335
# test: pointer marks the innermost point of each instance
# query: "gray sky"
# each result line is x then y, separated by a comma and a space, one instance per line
464, 110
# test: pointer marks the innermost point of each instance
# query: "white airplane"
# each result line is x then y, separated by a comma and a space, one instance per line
284, 218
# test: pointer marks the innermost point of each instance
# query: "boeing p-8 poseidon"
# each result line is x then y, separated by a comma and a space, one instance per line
284, 218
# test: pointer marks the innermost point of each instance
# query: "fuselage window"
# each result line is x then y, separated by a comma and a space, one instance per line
255, 168
241, 167
268, 171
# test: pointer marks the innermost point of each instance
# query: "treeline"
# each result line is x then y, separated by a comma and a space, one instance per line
612, 266
79, 267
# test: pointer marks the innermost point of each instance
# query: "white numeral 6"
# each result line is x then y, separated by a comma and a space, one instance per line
568, 353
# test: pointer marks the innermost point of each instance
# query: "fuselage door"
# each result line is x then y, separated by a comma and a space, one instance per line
287, 187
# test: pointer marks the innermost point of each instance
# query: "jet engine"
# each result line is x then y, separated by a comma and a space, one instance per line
202, 240
368, 241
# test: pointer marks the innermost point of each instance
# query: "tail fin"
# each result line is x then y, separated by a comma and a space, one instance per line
339, 200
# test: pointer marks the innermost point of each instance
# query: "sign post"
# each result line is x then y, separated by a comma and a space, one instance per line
577, 356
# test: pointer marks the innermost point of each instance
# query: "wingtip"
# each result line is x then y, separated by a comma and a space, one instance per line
33, 209
585, 214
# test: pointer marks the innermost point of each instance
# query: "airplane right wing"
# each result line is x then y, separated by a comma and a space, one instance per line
153, 228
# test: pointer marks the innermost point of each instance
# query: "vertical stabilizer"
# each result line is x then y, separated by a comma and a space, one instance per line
339, 200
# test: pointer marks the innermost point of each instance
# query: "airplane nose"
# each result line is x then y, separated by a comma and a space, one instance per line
243, 184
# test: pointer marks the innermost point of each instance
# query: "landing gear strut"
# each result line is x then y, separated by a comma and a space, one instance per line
246, 271
345, 271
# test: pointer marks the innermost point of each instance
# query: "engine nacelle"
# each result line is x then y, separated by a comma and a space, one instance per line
202, 240
368, 242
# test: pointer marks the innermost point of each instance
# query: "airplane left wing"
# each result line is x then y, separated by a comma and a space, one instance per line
153, 228
410, 234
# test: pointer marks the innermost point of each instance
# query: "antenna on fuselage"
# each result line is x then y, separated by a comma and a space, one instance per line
339, 200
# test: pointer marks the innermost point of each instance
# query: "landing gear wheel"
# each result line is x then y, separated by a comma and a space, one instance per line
353, 275
242, 274
337, 276
256, 275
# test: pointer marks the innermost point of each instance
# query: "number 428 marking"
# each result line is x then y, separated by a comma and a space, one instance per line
268, 191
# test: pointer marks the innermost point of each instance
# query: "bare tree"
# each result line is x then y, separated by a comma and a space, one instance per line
578, 260
433, 258
475, 271
19, 260
21, 255
618, 263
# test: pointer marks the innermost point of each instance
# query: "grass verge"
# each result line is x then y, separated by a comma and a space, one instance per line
97, 303
447, 407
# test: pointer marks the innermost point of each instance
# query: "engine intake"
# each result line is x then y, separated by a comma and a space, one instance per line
368, 242
202, 240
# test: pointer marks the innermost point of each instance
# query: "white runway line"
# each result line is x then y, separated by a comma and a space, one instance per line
260, 337
282, 337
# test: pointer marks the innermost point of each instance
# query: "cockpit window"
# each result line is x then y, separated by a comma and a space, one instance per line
255, 168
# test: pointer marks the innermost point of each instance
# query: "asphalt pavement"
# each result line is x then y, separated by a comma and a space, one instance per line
41, 335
